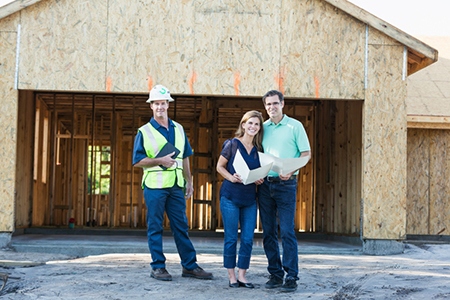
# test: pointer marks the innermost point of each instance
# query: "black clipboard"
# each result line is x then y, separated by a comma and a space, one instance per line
167, 149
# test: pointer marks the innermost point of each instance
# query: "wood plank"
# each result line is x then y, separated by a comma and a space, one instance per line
15, 6
418, 182
439, 182
24, 179
384, 143
333, 72
428, 122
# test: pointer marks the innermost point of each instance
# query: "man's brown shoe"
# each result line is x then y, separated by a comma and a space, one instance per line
161, 274
198, 273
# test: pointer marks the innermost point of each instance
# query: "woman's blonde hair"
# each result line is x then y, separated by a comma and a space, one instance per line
257, 139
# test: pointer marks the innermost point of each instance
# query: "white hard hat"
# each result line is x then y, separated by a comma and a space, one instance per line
159, 92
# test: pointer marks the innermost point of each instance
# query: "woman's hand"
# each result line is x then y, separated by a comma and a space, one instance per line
235, 178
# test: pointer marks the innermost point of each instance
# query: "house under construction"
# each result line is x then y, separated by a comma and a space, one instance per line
75, 76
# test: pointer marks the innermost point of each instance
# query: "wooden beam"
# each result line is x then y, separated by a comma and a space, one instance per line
15, 6
428, 122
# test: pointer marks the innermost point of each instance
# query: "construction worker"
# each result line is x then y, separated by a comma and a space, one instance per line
167, 183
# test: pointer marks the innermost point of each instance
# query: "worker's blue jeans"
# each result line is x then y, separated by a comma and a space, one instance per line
172, 201
277, 202
234, 215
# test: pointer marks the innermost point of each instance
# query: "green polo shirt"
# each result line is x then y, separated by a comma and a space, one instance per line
287, 139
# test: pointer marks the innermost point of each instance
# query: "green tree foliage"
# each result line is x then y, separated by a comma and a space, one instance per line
99, 167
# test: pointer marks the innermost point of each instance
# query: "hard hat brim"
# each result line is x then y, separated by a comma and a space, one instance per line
150, 100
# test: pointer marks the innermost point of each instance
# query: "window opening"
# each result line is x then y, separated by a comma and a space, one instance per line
99, 178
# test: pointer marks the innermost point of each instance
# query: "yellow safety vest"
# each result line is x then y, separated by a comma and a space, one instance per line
156, 177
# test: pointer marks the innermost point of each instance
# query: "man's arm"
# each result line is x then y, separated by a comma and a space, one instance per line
306, 153
166, 161
301, 136
187, 176
288, 175
141, 160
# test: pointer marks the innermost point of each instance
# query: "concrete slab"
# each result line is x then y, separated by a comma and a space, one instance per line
81, 245
5, 239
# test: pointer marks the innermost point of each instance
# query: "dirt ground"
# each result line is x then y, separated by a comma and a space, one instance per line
422, 272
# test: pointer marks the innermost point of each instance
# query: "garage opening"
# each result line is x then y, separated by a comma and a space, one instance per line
74, 158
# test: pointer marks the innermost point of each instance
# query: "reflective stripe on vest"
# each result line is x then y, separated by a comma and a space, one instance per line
156, 177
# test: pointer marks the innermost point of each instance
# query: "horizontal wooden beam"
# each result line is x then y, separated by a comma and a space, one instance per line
198, 201
83, 136
428, 122
202, 154
202, 171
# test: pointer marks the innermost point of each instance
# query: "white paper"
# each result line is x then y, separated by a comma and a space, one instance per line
283, 165
249, 176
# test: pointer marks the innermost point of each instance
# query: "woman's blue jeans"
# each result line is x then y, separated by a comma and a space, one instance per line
277, 204
233, 216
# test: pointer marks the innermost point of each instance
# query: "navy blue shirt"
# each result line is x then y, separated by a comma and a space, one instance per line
139, 152
240, 194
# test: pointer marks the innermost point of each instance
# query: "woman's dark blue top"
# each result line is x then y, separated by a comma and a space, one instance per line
240, 194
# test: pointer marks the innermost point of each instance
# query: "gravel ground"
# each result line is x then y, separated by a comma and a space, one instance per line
422, 272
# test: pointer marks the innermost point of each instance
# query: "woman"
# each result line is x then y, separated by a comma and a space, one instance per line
238, 201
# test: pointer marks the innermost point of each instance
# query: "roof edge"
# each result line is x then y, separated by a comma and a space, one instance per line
15, 6
414, 44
